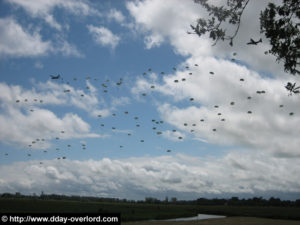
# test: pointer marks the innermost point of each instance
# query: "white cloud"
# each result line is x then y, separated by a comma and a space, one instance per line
119, 101
173, 135
54, 93
15, 41
104, 36
21, 129
201, 91
216, 80
135, 178
66, 49
44, 9
116, 15
153, 40
19, 42
267, 132
169, 22
23, 118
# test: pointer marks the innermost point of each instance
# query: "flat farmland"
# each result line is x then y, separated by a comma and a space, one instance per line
146, 212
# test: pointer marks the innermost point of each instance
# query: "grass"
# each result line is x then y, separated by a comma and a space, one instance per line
129, 211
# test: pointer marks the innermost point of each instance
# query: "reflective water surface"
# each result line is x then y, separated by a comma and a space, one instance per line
199, 217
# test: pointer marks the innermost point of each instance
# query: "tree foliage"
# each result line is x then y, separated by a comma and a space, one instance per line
230, 14
279, 23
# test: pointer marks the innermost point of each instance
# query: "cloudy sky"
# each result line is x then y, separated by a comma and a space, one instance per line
141, 108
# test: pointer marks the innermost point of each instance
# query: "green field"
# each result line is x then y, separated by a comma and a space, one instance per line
143, 211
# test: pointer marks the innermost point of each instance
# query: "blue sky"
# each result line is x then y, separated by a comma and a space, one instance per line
123, 48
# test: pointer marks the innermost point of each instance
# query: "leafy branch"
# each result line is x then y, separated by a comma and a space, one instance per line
279, 23
218, 15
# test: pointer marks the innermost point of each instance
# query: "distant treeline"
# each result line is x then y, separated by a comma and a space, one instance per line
234, 201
